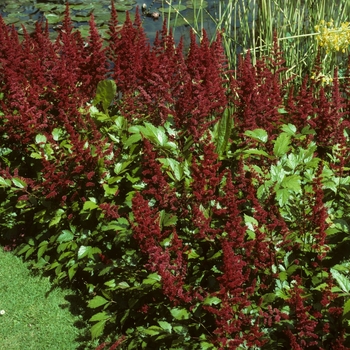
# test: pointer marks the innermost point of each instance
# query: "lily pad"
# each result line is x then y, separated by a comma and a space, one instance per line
53, 19
173, 8
196, 4
123, 8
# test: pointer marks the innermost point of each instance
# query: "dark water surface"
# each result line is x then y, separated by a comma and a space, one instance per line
27, 12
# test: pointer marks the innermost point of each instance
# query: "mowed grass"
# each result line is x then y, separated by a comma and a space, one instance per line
32, 314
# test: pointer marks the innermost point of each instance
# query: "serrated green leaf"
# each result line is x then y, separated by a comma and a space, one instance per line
105, 93
211, 300
89, 205
346, 308
110, 284
282, 145
132, 139
222, 132
167, 219
99, 316
290, 129
282, 195
65, 236
156, 134
342, 280
165, 325
23, 249
42, 249
257, 134
123, 285
19, 183
192, 254
40, 138
257, 152
36, 155
72, 271
97, 329
56, 133
153, 330
205, 345
97, 301
269, 298
83, 251
292, 182
57, 218
110, 191
4, 182
180, 314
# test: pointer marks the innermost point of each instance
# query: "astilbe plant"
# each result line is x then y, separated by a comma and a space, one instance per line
172, 240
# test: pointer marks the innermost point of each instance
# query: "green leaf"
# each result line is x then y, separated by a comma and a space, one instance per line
19, 183
40, 138
180, 314
99, 316
346, 307
97, 301
174, 165
282, 196
222, 132
209, 300
4, 182
42, 249
153, 330
167, 219
257, 152
152, 279
290, 129
269, 298
292, 182
89, 205
105, 93
97, 329
57, 133
72, 271
110, 191
36, 155
257, 134
165, 325
156, 134
123, 285
205, 345
65, 236
83, 251
132, 139
343, 281
57, 218
282, 145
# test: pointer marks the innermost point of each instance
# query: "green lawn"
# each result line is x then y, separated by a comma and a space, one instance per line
32, 314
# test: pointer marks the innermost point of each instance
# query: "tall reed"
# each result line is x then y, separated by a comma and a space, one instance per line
250, 24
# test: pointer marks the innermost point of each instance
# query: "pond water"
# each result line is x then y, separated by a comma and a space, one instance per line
27, 12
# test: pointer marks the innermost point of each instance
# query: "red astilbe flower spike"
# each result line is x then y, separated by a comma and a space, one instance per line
162, 79
329, 114
147, 232
203, 96
205, 174
94, 69
128, 53
319, 217
257, 96
157, 183
300, 107
304, 334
